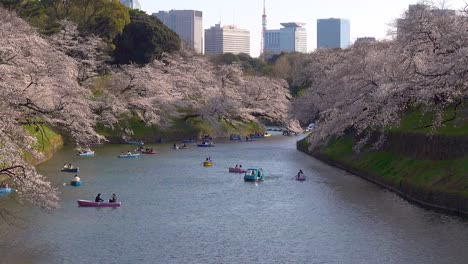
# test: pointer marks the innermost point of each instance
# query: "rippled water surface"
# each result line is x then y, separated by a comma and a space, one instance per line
177, 211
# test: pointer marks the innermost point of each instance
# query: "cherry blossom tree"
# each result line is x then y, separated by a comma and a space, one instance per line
190, 82
39, 87
368, 87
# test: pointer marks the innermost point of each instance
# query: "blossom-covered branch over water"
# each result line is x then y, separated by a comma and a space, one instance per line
368, 87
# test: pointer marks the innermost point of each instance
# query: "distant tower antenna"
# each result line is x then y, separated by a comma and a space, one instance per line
264, 29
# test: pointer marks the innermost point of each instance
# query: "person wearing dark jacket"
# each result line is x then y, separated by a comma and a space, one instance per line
113, 199
98, 198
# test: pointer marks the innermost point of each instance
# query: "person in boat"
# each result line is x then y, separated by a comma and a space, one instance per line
76, 178
240, 166
207, 159
237, 166
300, 175
113, 199
65, 166
98, 198
184, 146
129, 153
70, 166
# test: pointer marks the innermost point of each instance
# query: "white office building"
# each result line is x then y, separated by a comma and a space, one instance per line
188, 24
291, 38
133, 4
226, 39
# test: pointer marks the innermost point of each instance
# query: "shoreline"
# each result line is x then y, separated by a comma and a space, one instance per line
447, 203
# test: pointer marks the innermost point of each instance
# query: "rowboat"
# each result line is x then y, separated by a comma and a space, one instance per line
5, 190
129, 156
149, 152
256, 136
254, 175
235, 137
300, 179
86, 154
135, 142
237, 170
208, 163
95, 144
206, 145
87, 203
77, 169
75, 183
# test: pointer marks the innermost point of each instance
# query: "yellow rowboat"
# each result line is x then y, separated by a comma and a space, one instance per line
207, 163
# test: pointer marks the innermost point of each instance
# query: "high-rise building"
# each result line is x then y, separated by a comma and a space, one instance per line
220, 40
415, 14
264, 29
365, 40
333, 33
133, 4
188, 24
291, 38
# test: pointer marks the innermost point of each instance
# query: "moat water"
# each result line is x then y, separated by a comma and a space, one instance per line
174, 210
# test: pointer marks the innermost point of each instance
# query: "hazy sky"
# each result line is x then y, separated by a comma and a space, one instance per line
369, 18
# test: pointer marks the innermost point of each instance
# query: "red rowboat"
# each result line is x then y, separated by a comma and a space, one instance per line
237, 170
87, 203
149, 152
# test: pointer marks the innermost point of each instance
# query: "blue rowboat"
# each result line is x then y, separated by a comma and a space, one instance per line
86, 154
254, 175
206, 145
75, 183
5, 190
235, 137
129, 156
140, 143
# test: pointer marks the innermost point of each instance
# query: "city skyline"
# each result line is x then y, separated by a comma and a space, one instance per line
365, 16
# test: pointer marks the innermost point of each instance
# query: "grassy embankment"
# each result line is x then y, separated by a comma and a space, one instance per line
48, 141
448, 176
193, 127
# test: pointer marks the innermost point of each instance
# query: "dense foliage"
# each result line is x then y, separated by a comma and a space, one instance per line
144, 39
252, 66
105, 18
278, 66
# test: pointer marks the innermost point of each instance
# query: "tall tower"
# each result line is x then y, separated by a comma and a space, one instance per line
264, 29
